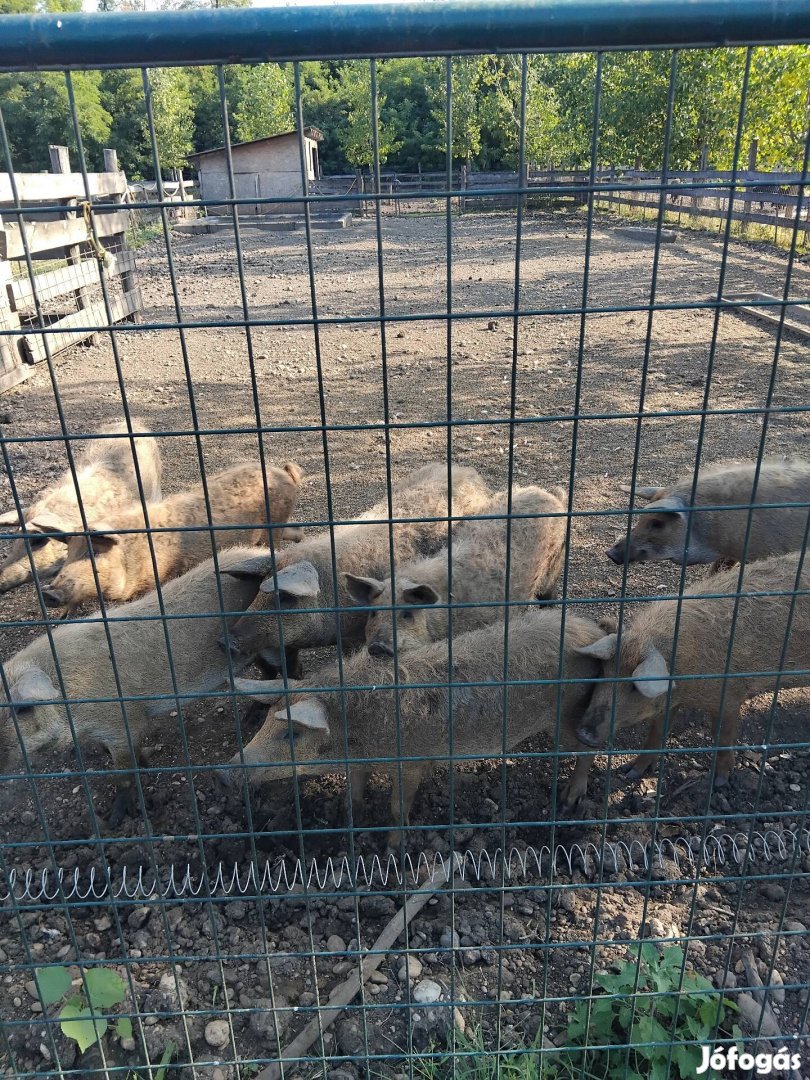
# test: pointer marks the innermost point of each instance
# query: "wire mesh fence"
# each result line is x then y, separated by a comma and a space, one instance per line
323, 736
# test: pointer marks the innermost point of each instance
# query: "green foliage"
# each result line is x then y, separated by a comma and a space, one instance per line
37, 112
264, 94
80, 1017
173, 112
356, 136
638, 1010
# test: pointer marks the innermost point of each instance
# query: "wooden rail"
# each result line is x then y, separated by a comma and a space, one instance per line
88, 234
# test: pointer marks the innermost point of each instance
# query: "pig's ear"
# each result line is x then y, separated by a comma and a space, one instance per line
103, 537
420, 594
645, 493
11, 517
672, 504
256, 567
363, 590
308, 713
47, 522
652, 667
295, 582
603, 649
264, 690
32, 686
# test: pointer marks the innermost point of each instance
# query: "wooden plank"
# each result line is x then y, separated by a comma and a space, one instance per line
785, 222
797, 316
62, 334
50, 235
51, 187
15, 376
67, 279
10, 358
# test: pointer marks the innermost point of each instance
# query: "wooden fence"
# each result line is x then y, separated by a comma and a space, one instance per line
69, 296
765, 198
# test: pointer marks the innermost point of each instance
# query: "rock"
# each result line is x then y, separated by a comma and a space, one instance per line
409, 969
449, 939
772, 891
217, 1033
751, 1012
237, 910
513, 928
31, 988
270, 1024
335, 943
102, 924
378, 977
350, 1039
342, 967
380, 907
139, 917
426, 992
345, 1072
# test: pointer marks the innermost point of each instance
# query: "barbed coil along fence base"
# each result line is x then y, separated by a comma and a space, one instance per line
514, 865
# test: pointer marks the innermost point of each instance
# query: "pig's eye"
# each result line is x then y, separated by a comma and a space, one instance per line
656, 523
407, 616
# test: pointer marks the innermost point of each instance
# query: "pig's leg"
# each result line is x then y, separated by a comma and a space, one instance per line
124, 804
577, 787
272, 669
403, 792
727, 736
359, 777
642, 764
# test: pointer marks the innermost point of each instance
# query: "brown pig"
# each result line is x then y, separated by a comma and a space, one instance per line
719, 535
537, 544
478, 728
106, 478
647, 658
304, 576
123, 560
142, 661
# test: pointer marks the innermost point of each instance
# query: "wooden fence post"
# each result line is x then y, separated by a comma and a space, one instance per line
60, 163
462, 183
748, 194
10, 359
118, 242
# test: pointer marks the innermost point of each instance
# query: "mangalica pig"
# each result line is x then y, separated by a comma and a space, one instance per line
123, 560
478, 718
142, 661
479, 549
106, 478
304, 577
646, 657
718, 535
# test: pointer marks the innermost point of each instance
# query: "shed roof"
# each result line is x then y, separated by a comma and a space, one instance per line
310, 132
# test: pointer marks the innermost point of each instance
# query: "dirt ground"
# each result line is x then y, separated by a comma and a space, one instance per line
513, 961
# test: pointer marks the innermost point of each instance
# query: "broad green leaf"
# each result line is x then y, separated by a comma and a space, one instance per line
709, 1012
105, 988
672, 957
646, 1029
123, 1026
649, 954
687, 1058
53, 983
77, 1025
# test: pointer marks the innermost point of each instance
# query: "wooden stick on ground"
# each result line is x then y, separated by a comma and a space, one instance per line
344, 994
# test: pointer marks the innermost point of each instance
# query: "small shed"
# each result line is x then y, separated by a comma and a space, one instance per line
262, 168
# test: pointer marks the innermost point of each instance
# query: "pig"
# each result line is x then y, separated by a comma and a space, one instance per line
143, 667
316, 724
537, 546
304, 575
703, 638
123, 560
106, 478
718, 536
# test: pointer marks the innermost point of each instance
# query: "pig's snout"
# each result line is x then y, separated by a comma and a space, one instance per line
227, 777
231, 643
616, 553
380, 649
588, 736
53, 598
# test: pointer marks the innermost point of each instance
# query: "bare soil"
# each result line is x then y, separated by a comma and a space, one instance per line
522, 956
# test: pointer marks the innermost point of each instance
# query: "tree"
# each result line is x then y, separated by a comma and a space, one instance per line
37, 113
264, 100
467, 75
122, 96
356, 138
173, 113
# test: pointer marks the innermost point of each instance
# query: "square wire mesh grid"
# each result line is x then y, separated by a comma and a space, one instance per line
286, 923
